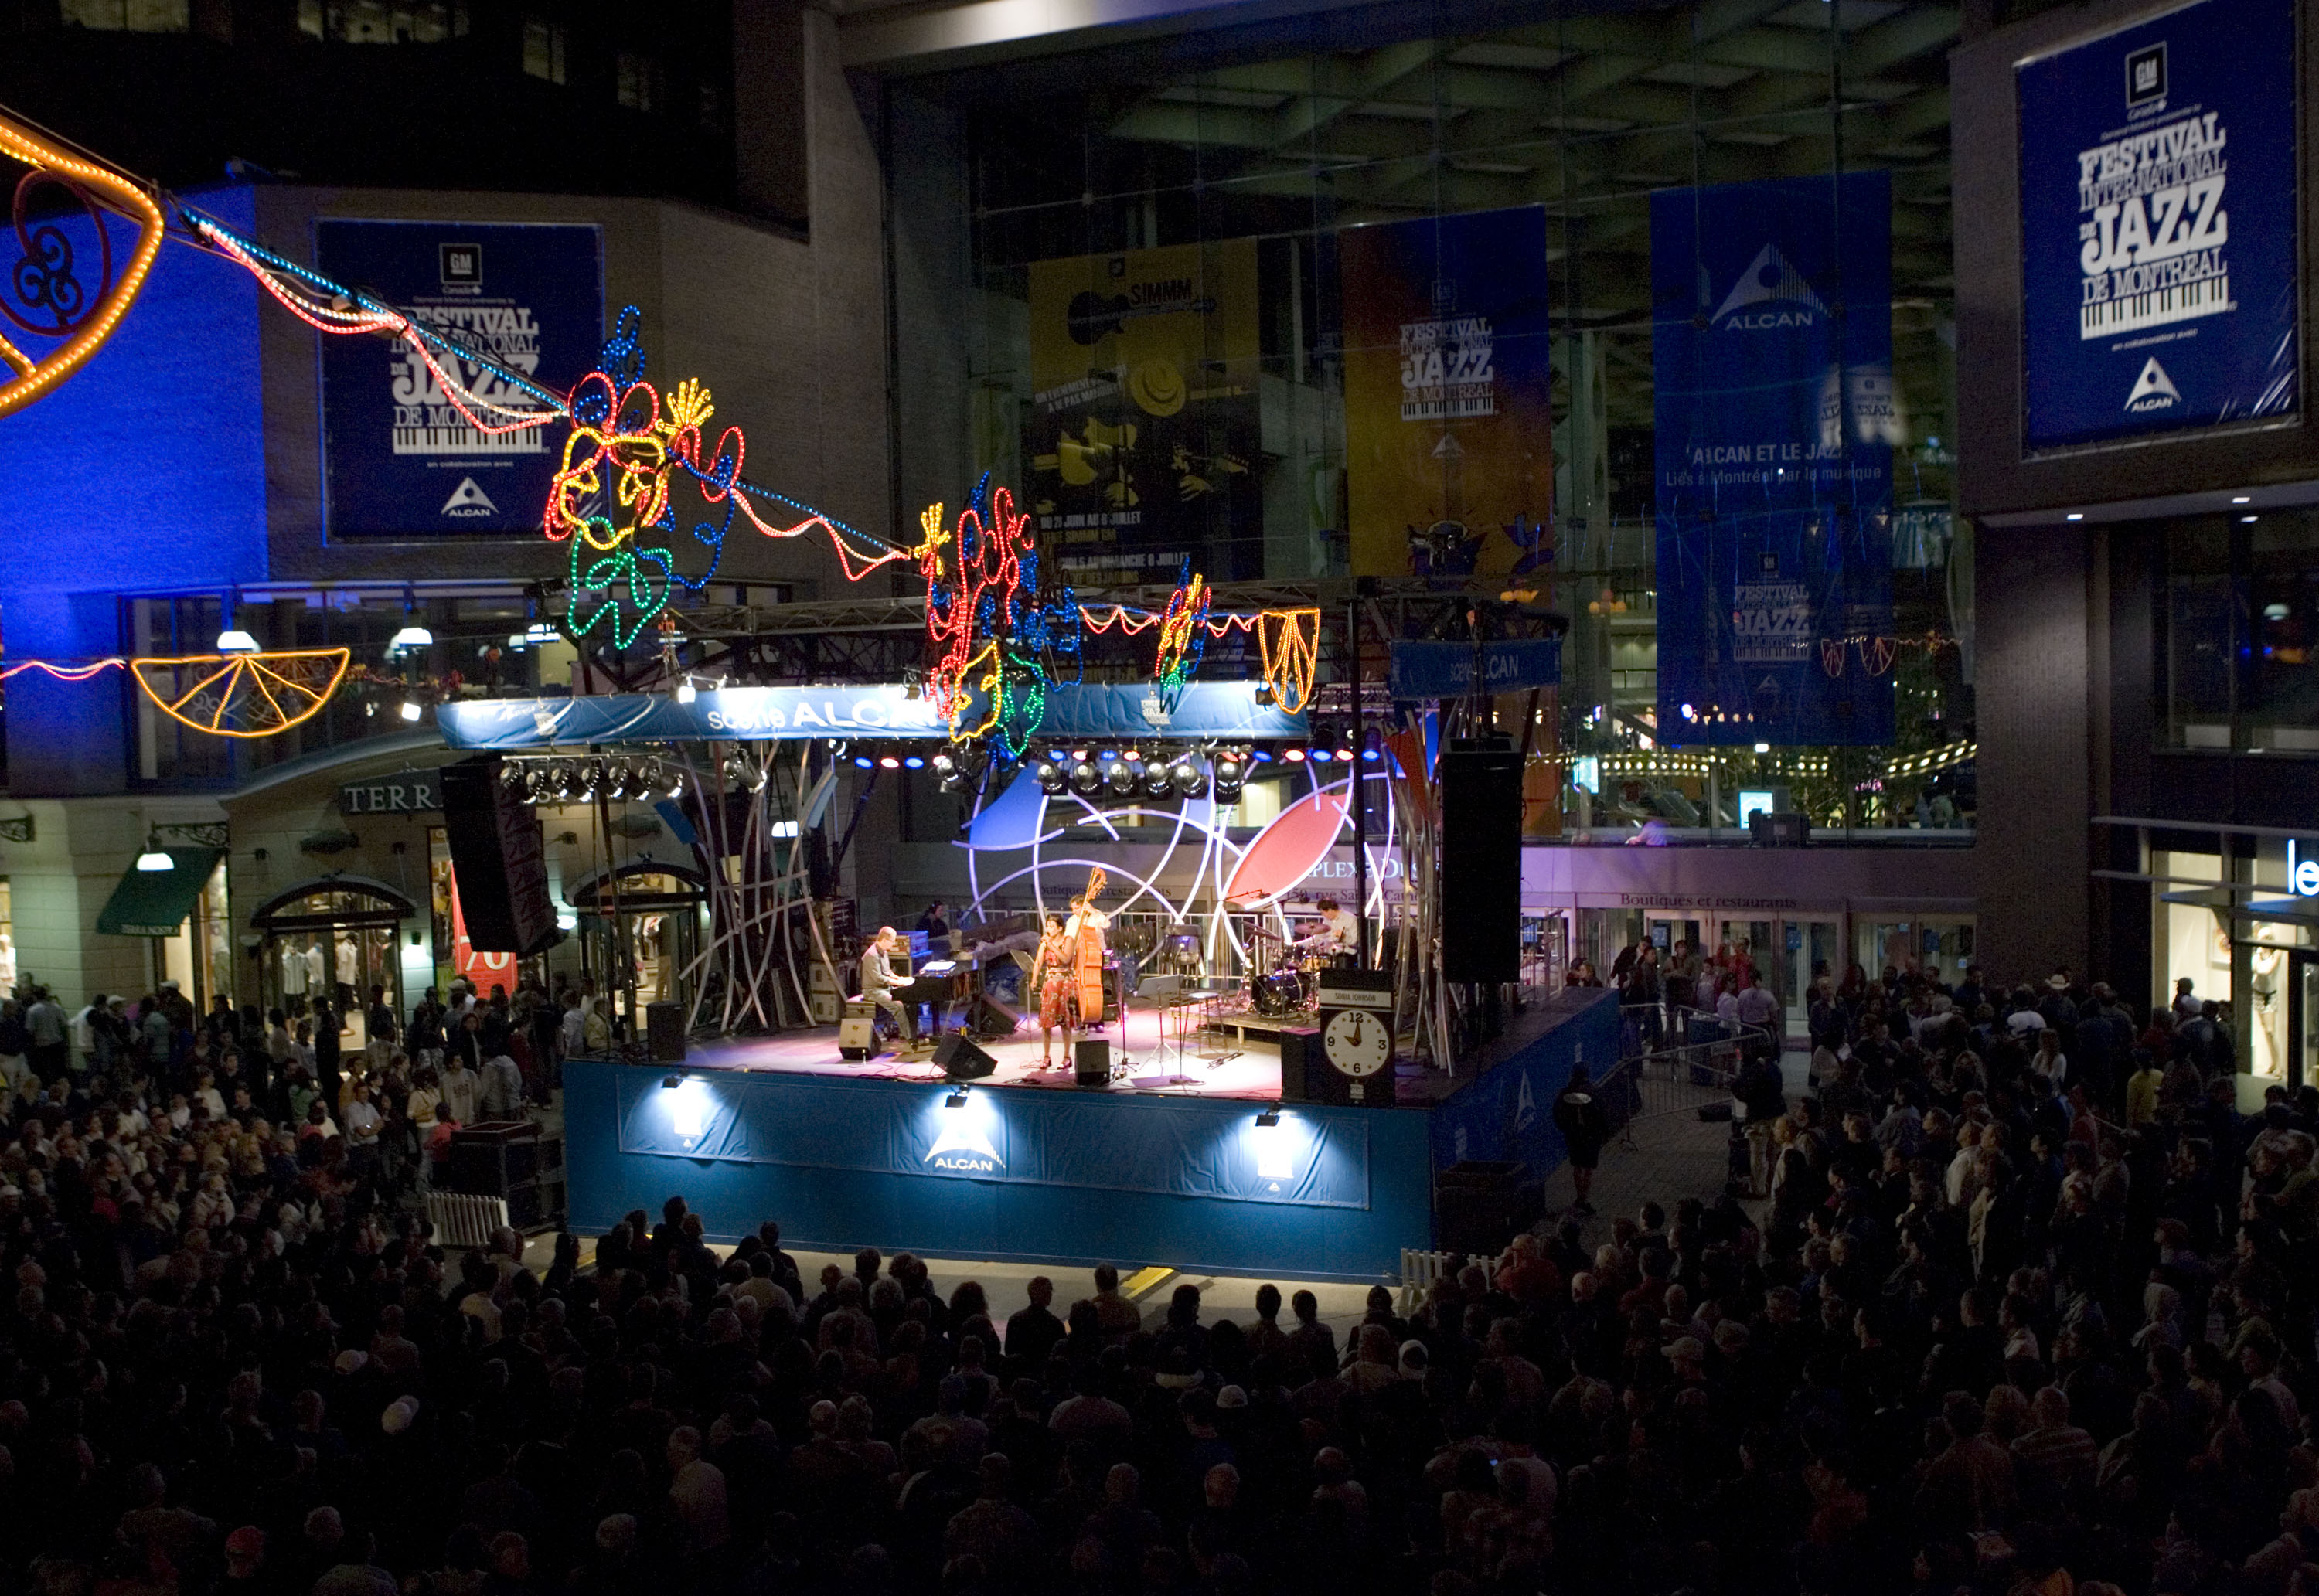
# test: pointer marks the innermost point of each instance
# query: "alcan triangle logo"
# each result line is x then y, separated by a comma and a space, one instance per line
964, 1148
2153, 390
1769, 294
467, 501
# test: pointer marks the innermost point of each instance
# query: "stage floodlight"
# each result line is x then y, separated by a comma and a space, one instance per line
1186, 775
685, 692
1294, 756
889, 761
913, 762
1270, 1117
956, 1099
1159, 780
1229, 770
1086, 779
671, 1082
1372, 744
1119, 776
1049, 775
410, 710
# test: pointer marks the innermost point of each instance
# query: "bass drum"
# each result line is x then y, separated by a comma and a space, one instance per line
1277, 995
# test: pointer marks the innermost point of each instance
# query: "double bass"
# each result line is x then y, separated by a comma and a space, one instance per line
1086, 928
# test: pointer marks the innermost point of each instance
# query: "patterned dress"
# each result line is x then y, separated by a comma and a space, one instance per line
1056, 978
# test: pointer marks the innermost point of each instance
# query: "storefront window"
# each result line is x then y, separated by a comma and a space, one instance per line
2238, 621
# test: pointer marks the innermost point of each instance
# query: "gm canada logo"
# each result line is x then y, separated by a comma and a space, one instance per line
469, 502
963, 1148
2153, 390
1769, 294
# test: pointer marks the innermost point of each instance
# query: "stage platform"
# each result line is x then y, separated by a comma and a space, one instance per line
1245, 1068
1209, 1176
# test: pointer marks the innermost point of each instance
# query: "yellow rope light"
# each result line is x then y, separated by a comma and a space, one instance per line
35, 376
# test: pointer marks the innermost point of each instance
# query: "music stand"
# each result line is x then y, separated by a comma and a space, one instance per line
1159, 988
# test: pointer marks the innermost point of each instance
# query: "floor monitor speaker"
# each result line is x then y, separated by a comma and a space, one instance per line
960, 1060
1091, 1062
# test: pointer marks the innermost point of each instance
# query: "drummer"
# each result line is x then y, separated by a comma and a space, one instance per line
1342, 931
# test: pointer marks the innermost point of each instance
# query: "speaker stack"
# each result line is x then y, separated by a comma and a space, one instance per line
1481, 861
497, 861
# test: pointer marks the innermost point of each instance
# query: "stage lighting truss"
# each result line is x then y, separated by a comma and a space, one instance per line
620, 778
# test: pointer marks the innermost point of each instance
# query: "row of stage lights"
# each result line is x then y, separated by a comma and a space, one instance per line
578, 780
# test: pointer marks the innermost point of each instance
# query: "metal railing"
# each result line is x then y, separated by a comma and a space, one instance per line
1650, 1083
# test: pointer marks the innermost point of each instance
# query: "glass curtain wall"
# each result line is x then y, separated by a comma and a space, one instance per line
1125, 184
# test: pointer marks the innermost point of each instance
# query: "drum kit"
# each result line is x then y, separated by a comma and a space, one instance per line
1292, 984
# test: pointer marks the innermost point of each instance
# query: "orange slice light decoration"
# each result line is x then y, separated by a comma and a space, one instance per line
41, 294
243, 695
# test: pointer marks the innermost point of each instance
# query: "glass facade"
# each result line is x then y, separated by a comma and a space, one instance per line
1111, 180
2238, 620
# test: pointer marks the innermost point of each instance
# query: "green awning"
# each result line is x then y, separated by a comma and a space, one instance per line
155, 902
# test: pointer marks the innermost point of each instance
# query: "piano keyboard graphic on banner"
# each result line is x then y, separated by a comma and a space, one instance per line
2157, 307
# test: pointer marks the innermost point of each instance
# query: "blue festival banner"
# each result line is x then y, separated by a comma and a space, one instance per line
1093, 710
2159, 254
1424, 670
398, 458
1771, 361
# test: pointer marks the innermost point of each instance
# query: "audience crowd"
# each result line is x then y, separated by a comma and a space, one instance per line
2026, 1311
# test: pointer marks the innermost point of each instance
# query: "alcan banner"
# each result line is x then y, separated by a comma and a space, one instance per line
2159, 278
398, 460
1775, 412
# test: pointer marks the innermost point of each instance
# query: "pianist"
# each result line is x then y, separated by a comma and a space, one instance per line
878, 982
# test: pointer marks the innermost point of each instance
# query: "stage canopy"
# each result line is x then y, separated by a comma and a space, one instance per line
1086, 711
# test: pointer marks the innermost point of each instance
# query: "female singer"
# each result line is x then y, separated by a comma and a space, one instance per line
1052, 977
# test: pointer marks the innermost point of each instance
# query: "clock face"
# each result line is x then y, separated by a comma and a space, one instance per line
1358, 1042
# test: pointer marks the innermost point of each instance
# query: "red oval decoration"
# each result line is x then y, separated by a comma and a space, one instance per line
1284, 852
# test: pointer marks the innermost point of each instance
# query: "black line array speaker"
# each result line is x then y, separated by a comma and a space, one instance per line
960, 1060
1300, 1054
1091, 1062
665, 1032
497, 860
1481, 861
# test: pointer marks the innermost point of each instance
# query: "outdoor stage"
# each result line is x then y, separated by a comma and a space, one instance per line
1200, 1178
1248, 1071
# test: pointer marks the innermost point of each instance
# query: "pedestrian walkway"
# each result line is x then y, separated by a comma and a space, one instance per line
1673, 1156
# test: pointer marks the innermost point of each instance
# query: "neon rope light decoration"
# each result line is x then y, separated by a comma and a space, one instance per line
614, 498
1183, 637
243, 695
41, 292
987, 631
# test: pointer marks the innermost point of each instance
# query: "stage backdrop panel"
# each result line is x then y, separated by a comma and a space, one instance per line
1507, 1111
2159, 264
1193, 1183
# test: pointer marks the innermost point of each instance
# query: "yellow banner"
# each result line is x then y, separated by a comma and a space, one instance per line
1144, 428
